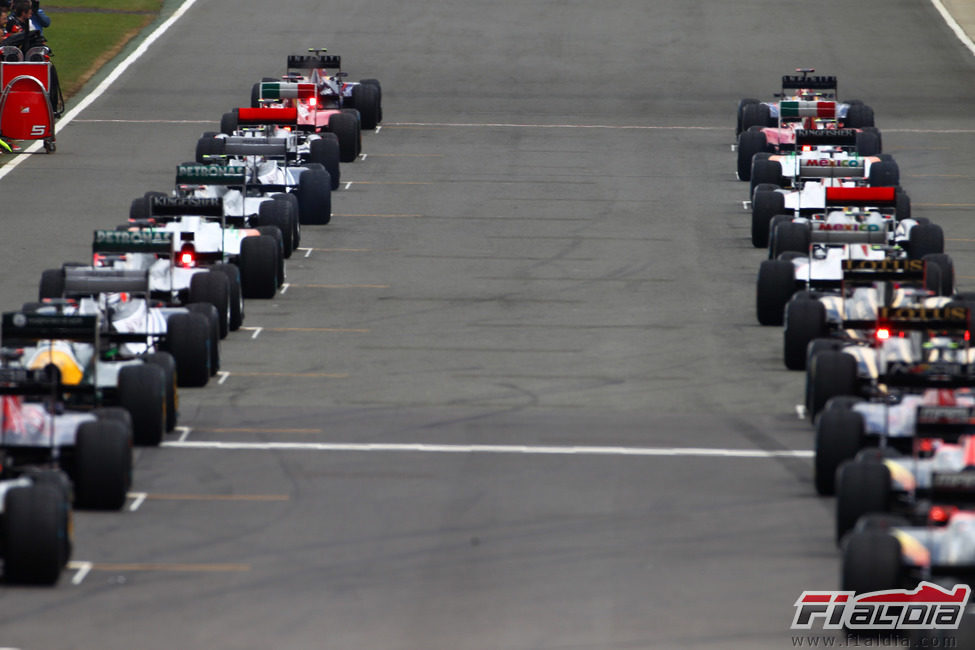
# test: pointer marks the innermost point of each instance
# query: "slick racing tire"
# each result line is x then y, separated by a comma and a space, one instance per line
259, 266
790, 237
925, 239
102, 465
814, 349
805, 321
209, 147
358, 128
765, 171
776, 284
839, 436
209, 312
278, 214
293, 210
188, 340
871, 562
142, 391
168, 364
880, 138
885, 173
346, 129
256, 95
868, 144
902, 203
765, 205
862, 488
36, 533
946, 267
379, 91
832, 373
51, 285
228, 123
326, 152
213, 288
749, 144
858, 116
741, 109
756, 115
366, 100
275, 233
236, 295
315, 197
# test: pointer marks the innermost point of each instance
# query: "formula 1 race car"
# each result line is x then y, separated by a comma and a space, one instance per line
134, 325
41, 427
333, 90
251, 171
940, 470
89, 376
303, 146
914, 346
841, 236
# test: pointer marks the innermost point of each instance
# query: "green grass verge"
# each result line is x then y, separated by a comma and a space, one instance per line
82, 42
118, 5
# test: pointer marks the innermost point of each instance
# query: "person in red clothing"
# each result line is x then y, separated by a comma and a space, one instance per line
19, 19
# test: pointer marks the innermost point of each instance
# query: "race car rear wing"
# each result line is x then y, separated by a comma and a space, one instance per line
886, 270
177, 206
818, 82
945, 422
245, 146
793, 108
146, 240
210, 174
951, 320
267, 116
22, 328
826, 137
85, 281
26, 381
825, 167
860, 233
277, 90
880, 197
310, 62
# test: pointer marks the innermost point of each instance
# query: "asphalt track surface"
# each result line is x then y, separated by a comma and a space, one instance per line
486, 281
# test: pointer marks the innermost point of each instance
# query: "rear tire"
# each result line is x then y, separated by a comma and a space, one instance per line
776, 284
209, 312
188, 340
326, 152
168, 364
213, 288
862, 488
765, 205
790, 237
276, 214
51, 285
142, 391
315, 197
259, 267
926, 239
236, 296
765, 171
366, 98
839, 436
228, 123
35, 534
885, 173
805, 321
346, 129
872, 562
103, 465
832, 373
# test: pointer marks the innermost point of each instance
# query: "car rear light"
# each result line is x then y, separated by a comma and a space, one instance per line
187, 256
313, 101
941, 514
883, 334
807, 147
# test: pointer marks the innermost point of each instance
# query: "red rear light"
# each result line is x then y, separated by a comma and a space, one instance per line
941, 514
807, 147
925, 446
883, 334
187, 256
313, 101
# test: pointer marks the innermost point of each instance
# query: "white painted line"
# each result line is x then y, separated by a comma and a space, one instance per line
308, 252
801, 411
223, 377
257, 331
379, 128
284, 288
494, 449
348, 185
621, 127
184, 433
362, 156
746, 205
82, 568
105, 83
954, 26
83, 121
138, 498
734, 147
